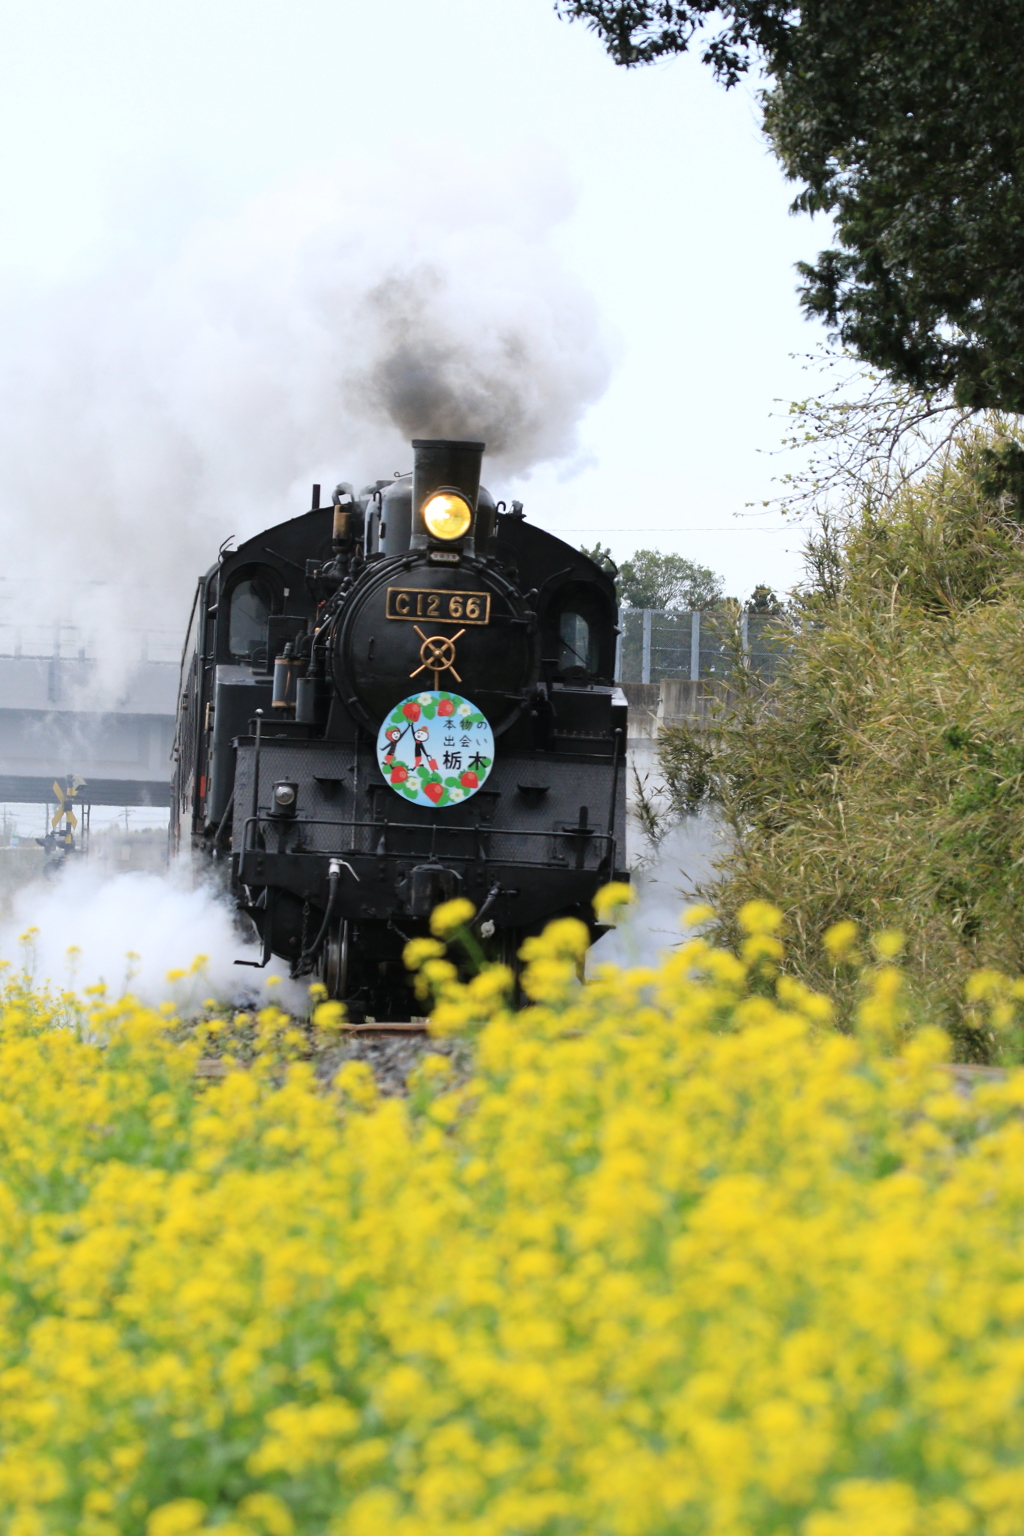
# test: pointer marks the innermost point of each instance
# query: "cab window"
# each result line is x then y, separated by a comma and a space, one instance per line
251, 604
579, 627
577, 646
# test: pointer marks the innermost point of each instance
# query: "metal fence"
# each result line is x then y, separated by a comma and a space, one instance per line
657, 643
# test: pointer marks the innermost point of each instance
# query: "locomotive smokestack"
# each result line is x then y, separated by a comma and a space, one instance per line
445, 487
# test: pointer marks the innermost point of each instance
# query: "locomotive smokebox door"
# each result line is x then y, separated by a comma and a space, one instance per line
464, 629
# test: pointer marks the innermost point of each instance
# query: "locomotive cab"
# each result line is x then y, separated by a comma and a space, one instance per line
402, 698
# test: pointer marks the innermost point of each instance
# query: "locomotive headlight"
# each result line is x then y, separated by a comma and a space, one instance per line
284, 796
447, 515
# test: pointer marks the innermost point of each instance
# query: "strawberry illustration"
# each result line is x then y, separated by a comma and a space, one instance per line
469, 780
446, 707
399, 774
433, 790
411, 711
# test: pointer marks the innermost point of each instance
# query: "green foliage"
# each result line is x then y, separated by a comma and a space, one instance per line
909, 133
763, 601
903, 123
601, 556
1002, 476
640, 31
650, 579
880, 777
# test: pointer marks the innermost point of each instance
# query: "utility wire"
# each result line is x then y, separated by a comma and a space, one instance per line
733, 529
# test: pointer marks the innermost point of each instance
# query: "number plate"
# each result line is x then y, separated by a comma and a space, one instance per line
438, 607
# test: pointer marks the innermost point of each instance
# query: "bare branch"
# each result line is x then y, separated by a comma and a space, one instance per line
866, 438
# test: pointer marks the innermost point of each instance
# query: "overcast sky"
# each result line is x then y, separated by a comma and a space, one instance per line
126, 126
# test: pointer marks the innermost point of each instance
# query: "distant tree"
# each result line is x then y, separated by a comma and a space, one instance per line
902, 121
601, 556
763, 601
653, 580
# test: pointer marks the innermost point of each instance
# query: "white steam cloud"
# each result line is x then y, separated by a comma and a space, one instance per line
127, 932
685, 860
166, 402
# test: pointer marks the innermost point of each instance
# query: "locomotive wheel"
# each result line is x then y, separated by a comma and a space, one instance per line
332, 967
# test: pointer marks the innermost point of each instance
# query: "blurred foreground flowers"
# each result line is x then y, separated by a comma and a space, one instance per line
680, 1258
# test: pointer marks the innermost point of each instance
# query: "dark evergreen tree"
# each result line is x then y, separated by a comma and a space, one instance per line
901, 119
763, 602
602, 556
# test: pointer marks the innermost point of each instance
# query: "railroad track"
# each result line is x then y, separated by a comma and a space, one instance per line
392, 1049
965, 1077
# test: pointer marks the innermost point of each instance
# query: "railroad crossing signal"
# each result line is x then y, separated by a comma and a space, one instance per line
65, 843
65, 794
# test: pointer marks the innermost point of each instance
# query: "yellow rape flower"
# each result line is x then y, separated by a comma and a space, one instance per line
418, 950
268, 1512
450, 916
180, 1517
610, 898
840, 939
329, 1016
356, 1081
696, 913
984, 984
759, 917
566, 936
658, 1252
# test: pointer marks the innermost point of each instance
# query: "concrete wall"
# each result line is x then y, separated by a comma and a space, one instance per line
652, 706
59, 715
76, 685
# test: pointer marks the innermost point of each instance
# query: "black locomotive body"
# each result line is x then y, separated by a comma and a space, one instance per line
416, 595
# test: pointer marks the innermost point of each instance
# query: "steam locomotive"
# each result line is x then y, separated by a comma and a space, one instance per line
401, 698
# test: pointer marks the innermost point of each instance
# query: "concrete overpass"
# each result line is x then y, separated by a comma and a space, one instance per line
59, 715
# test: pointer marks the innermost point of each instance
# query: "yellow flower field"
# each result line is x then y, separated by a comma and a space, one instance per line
680, 1258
